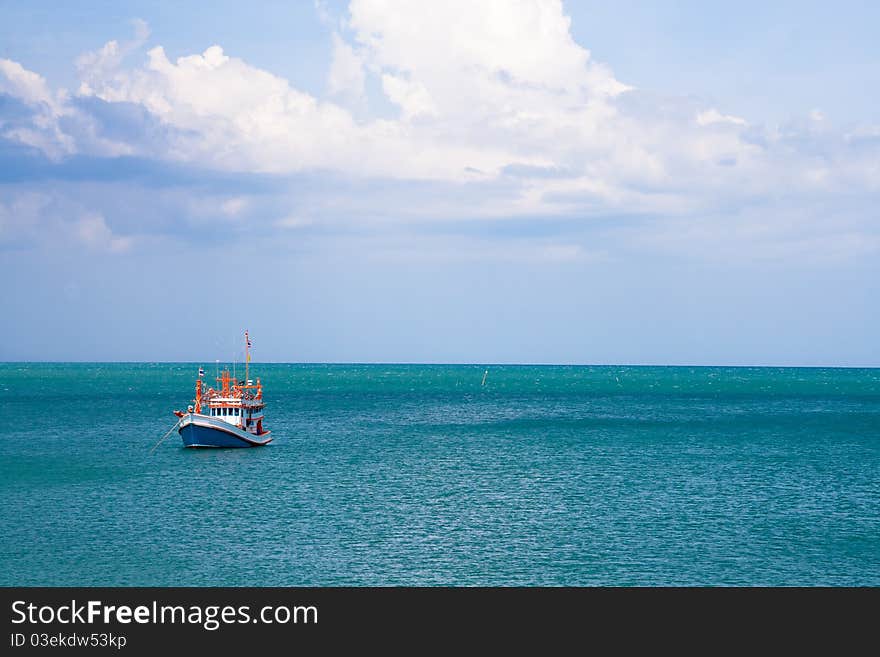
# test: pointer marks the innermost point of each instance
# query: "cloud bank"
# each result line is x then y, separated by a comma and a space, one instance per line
478, 111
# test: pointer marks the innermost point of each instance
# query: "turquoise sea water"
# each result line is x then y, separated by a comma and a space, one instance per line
418, 475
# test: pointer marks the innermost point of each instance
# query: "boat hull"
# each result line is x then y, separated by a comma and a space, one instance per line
204, 431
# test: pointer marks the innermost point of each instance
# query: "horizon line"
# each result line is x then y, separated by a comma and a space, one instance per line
435, 363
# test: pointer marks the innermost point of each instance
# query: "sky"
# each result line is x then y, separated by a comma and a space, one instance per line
517, 181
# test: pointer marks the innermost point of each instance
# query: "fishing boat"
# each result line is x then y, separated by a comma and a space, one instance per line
229, 416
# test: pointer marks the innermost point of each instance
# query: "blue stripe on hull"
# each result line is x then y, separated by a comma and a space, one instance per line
197, 435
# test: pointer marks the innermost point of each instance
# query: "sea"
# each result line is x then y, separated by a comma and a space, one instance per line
458, 475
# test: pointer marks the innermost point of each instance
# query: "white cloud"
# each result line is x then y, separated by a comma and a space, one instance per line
346, 77
481, 100
234, 116
43, 132
93, 231
52, 219
97, 65
233, 206
710, 116
48, 131
19, 82
496, 86
480, 87
412, 97
496, 46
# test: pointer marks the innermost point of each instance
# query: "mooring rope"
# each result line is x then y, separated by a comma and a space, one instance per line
164, 437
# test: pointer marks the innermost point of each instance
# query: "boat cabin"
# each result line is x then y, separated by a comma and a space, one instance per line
239, 403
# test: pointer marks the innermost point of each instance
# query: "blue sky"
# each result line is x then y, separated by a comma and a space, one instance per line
534, 181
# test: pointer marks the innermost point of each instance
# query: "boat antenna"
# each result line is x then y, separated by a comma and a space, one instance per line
247, 358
